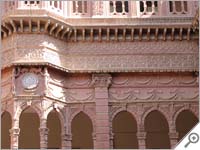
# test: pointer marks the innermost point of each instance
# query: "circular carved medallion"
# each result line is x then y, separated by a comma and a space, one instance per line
30, 81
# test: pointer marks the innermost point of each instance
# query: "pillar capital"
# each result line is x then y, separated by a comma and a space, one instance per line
14, 133
44, 131
67, 137
101, 80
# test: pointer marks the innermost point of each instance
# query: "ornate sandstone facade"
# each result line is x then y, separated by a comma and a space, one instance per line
98, 74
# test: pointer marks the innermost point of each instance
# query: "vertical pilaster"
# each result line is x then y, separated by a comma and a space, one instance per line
14, 133
173, 135
141, 135
101, 83
43, 134
66, 141
173, 139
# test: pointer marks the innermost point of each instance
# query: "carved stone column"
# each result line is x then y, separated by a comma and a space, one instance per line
111, 140
141, 135
94, 139
101, 83
173, 138
43, 134
14, 133
66, 141
43, 137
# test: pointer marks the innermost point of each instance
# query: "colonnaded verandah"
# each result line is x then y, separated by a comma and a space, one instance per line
98, 74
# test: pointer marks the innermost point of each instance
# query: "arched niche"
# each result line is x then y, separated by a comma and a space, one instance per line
124, 130
157, 130
29, 122
54, 134
185, 121
82, 130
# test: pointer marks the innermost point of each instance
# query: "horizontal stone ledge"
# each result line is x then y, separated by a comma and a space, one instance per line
120, 70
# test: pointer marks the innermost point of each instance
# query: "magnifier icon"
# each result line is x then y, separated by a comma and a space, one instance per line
193, 138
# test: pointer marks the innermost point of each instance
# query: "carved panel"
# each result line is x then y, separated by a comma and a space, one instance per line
37, 90
126, 56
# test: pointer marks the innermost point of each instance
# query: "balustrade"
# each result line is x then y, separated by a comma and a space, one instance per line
149, 7
83, 8
178, 7
119, 7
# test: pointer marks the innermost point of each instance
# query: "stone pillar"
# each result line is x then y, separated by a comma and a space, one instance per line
141, 136
141, 140
101, 83
66, 141
94, 139
43, 137
14, 133
173, 135
43, 134
112, 140
173, 139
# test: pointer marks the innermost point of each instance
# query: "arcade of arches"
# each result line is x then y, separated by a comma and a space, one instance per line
124, 128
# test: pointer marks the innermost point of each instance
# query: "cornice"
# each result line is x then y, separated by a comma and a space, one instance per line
100, 29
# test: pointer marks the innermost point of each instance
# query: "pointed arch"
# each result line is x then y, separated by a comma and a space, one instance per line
124, 127
82, 129
186, 117
61, 115
54, 126
29, 122
146, 113
23, 107
92, 118
157, 129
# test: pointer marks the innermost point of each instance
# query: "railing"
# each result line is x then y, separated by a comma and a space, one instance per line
178, 7
119, 7
148, 7
83, 8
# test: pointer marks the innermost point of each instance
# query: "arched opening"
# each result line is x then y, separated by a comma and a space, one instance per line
54, 134
29, 123
6, 124
82, 132
125, 129
185, 121
157, 129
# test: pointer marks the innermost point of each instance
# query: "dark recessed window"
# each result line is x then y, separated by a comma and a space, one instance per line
141, 6
126, 6
149, 6
118, 6
170, 6
185, 6
82, 6
111, 7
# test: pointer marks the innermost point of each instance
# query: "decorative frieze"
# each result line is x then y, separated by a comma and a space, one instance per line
93, 57
153, 94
